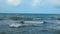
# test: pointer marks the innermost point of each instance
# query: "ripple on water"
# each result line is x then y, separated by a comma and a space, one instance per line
57, 32
2, 32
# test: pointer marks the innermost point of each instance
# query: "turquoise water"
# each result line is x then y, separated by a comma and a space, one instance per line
51, 27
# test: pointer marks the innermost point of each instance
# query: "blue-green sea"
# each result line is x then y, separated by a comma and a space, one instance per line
52, 25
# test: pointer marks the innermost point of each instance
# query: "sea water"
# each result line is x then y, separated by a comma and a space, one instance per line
51, 27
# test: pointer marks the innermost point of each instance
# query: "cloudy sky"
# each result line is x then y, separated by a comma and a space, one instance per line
30, 6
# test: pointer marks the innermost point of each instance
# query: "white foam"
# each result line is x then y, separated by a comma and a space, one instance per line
27, 23
33, 22
15, 25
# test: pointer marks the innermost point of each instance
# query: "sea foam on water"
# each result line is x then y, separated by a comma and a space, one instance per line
15, 25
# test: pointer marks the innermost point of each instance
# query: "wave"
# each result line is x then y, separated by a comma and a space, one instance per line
15, 25
25, 24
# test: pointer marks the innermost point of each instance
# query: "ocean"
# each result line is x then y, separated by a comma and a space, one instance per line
52, 25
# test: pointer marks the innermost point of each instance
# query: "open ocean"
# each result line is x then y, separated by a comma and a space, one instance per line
51, 27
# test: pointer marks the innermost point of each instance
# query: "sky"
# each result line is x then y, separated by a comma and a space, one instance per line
30, 6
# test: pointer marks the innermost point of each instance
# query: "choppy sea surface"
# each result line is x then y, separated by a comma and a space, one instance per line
51, 27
